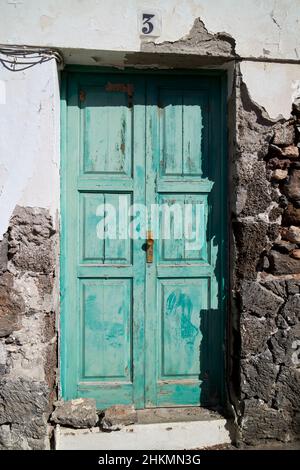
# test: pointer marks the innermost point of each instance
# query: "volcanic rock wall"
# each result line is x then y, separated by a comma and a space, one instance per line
265, 308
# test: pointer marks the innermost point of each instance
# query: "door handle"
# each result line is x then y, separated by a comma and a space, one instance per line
150, 243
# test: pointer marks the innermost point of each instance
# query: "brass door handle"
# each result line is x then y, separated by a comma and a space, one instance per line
150, 243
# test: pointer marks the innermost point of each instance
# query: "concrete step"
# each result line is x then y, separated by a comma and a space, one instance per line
155, 436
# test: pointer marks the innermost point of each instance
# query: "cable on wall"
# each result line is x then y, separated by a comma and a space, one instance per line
19, 58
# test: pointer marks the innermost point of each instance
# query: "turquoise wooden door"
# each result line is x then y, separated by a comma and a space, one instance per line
135, 329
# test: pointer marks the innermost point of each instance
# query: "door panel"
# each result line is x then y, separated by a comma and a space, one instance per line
150, 334
104, 332
180, 330
106, 132
106, 326
175, 248
94, 248
183, 131
183, 172
180, 334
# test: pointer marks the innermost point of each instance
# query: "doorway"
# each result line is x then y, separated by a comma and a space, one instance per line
143, 249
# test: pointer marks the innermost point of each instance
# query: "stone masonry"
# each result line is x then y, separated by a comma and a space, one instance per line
27, 330
266, 272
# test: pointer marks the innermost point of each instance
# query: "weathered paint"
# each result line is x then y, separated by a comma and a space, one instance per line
100, 167
183, 288
149, 334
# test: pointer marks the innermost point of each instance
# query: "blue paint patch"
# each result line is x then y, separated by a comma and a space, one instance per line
179, 301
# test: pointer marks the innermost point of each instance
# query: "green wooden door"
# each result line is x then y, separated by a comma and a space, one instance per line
147, 333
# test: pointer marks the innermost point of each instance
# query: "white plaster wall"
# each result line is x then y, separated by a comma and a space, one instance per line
29, 140
267, 28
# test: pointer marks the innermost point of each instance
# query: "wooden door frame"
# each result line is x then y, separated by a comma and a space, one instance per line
65, 381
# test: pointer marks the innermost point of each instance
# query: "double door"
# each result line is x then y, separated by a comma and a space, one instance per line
143, 244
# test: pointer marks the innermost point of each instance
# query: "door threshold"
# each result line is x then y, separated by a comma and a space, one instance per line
156, 436
176, 415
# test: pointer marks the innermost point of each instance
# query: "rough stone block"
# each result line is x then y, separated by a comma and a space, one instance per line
258, 376
284, 246
281, 263
296, 425
291, 215
258, 300
24, 404
273, 232
291, 310
279, 175
289, 152
118, 416
258, 196
292, 234
285, 346
274, 214
11, 306
5, 437
251, 240
293, 286
288, 388
284, 135
277, 286
278, 163
292, 187
255, 333
77, 413
263, 422
295, 253
30, 239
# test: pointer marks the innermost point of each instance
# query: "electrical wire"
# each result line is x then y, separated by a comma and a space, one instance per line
19, 58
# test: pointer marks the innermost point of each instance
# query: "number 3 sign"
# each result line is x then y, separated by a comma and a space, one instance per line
149, 23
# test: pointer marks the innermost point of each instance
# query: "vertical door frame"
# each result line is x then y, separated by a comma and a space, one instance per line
66, 375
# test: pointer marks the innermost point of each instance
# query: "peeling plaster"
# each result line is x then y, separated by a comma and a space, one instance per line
198, 42
273, 86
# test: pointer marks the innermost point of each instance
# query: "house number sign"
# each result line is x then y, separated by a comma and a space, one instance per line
149, 23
